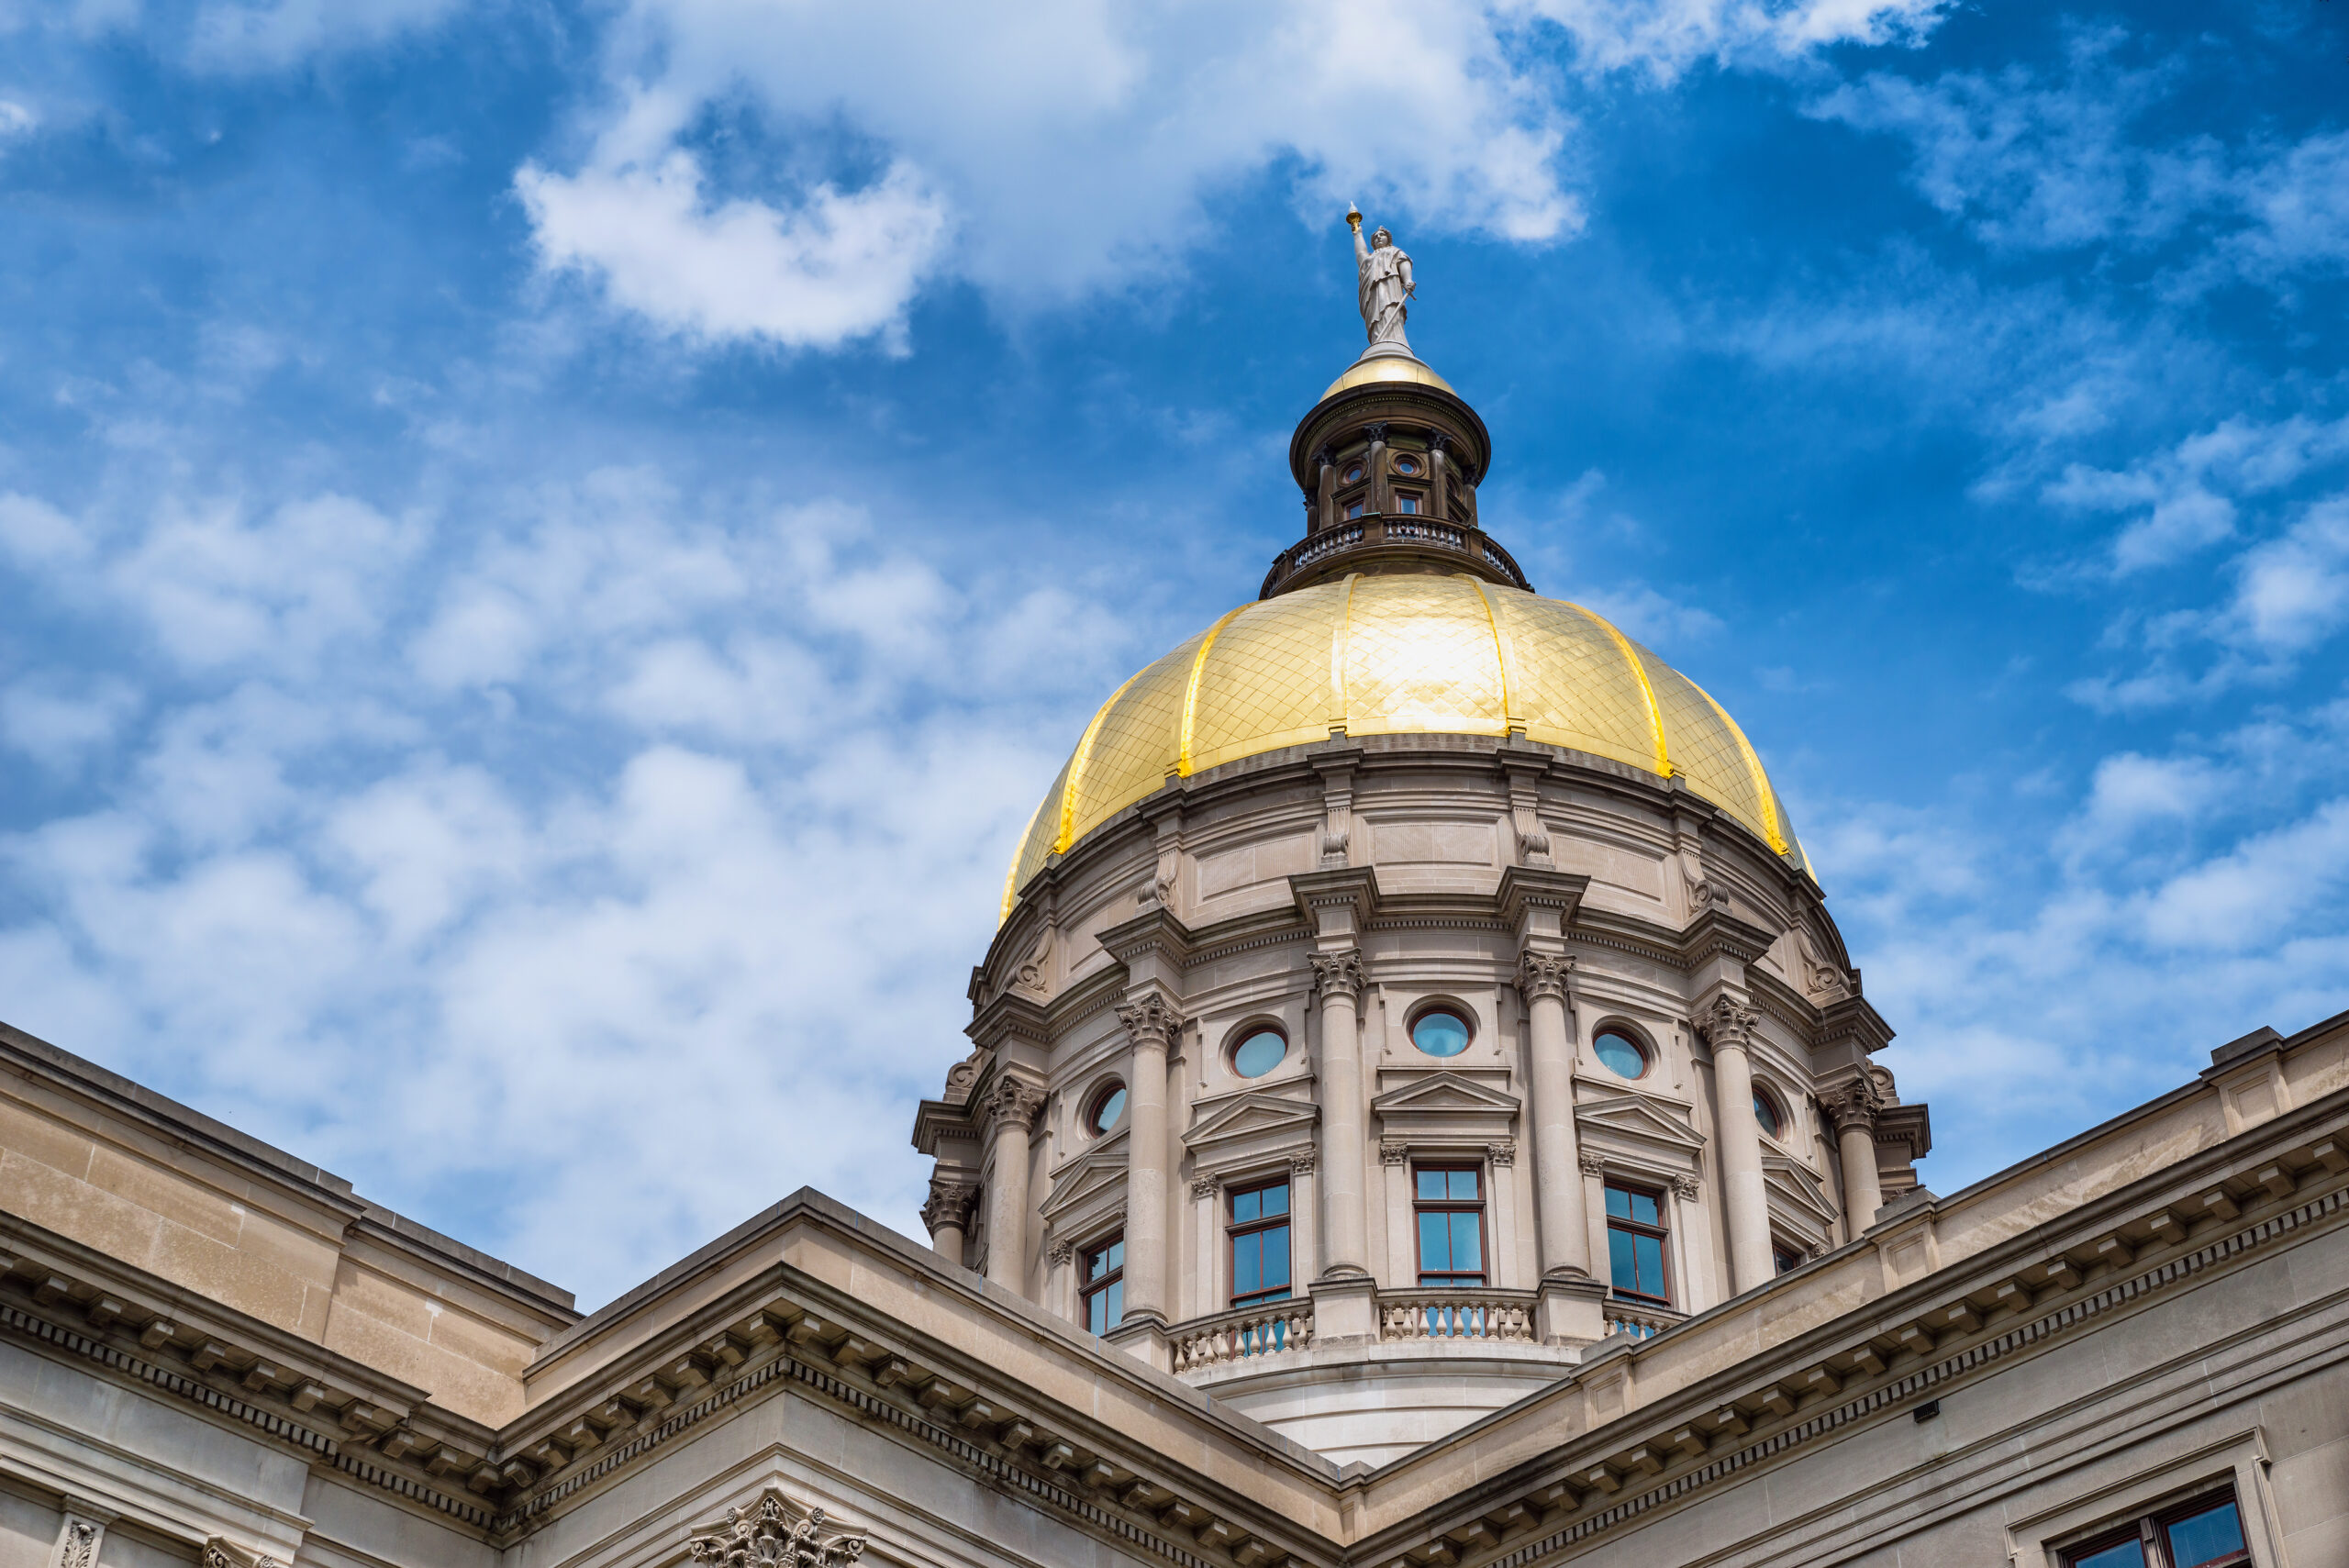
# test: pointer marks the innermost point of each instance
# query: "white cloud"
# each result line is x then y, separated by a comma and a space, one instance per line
2292, 593
269, 34
2186, 496
1667, 36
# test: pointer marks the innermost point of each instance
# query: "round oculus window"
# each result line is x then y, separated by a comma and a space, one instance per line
1108, 1109
1441, 1033
1353, 474
1766, 1111
1621, 1054
1407, 465
1259, 1053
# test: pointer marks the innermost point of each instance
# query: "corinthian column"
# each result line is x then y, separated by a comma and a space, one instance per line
1150, 1024
1346, 1233
1729, 1025
1012, 1106
1853, 1109
1561, 1226
948, 1214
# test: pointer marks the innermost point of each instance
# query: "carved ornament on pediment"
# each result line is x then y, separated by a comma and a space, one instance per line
964, 1075
1856, 1102
1015, 1101
950, 1203
1544, 974
1728, 1024
775, 1533
1149, 1019
1335, 972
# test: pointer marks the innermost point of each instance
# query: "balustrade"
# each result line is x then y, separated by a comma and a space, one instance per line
1243, 1334
1639, 1319
1502, 1314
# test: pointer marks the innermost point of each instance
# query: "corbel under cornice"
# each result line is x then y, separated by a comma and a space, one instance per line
1526, 888
1341, 887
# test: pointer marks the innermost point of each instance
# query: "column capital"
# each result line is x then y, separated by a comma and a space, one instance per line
1728, 1023
950, 1203
1204, 1187
1501, 1153
1301, 1164
1394, 1152
1544, 974
1062, 1254
1336, 971
1855, 1103
1150, 1019
1014, 1102
1593, 1163
1686, 1187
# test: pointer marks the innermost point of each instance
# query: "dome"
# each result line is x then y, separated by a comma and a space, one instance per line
1400, 654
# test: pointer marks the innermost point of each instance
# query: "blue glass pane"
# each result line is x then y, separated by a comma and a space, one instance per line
2128, 1554
1106, 1114
1276, 1256
2212, 1533
1618, 1202
1619, 1272
1467, 1243
1116, 1299
1247, 1265
1259, 1054
1247, 1205
1619, 1056
1647, 1254
1643, 1208
1767, 1115
1439, 1034
1275, 1200
1095, 1265
1431, 1184
1434, 1254
1116, 1253
1096, 1313
1464, 1184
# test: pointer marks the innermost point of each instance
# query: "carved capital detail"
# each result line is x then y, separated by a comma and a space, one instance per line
1592, 1162
1062, 1254
1501, 1153
1544, 974
77, 1543
1685, 1186
779, 1532
1301, 1164
950, 1203
1149, 1020
1856, 1102
1334, 971
218, 1553
1391, 1152
1203, 1188
1728, 1024
1015, 1101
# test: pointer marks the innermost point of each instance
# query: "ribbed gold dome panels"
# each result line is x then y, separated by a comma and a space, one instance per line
1399, 655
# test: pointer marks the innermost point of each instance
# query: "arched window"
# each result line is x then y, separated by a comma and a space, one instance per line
1767, 1112
1106, 1109
1259, 1051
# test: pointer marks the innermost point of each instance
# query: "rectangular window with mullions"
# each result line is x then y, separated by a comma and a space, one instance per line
1260, 1244
1449, 1203
1104, 1284
1635, 1244
2205, 1533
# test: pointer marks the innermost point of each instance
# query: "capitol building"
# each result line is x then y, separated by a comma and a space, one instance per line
1419, 1113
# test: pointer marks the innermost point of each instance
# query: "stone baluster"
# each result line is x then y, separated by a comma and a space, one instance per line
1853, 1109
1728, 1026
1346, 1233
1150, 1024
1012, 1106
1562, 1228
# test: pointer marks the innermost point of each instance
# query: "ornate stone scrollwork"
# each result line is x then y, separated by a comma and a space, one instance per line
1204, 1187
1150, 1019
222, 1553
1391, 1152
776, 1534
950, 1203
77, 1543
1685, 1186
1501, 1153
1062, 1254
1014, 1100
1593, 1163
1728, 1022
1544, 974
1338, 972
1856, 1102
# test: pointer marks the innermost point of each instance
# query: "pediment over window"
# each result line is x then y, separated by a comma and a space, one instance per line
1636, 1122
1250, 1127
1089, 1186
1445, 1102
1795, 1192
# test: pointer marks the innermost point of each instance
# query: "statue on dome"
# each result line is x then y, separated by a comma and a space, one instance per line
1387, 285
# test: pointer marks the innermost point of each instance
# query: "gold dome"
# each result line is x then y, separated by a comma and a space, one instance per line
1386, 367
1391, 655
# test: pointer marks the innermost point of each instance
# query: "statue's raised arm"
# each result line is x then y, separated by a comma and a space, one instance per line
1386, 283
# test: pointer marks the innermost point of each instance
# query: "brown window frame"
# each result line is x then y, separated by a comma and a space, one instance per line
1454, 1279
1784, 1257
2150, 1532
1087, 1289
1659, 1230
1234, 1230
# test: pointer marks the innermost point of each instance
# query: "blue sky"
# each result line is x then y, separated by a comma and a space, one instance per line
546, 553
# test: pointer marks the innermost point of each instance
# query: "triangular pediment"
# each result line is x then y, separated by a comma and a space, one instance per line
1251, 1117
1100, 1168
1790, 1180
1445, 1094
1637, 1119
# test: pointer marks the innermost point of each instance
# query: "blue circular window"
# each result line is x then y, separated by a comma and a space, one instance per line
1766, 1111
1441, 1033
1108, 1109
1259, 1053
1621, 1054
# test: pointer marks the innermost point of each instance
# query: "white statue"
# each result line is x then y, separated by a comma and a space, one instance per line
1386, 283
